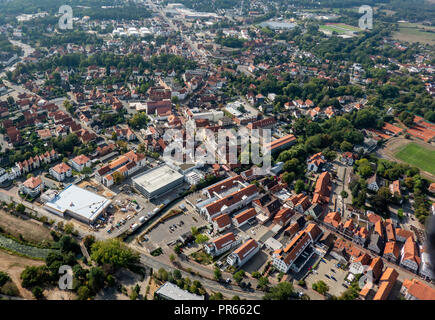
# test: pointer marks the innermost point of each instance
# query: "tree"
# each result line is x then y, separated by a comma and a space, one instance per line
83, 293
37, 292
96, 279
172, 257
138, 121
299, 186
69, 228
86, 171
346, 146
88, 241
262, 283
217, 274
177, 274
4, 277
177, 248
117, 177
194, 231
33, 276
20, 208
114, 253
344, 194
201, 238
238, 276
216, 296
282, 291
321, 287
162, 274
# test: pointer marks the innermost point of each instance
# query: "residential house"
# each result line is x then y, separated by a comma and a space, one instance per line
61, 171
221, 244
386, 284
316, 162
230, 203
80, 162
417, 290
244, 217
391, 251
296, 254
32, 186
242, 254
376, 243
221, 222
410, 257
374, 183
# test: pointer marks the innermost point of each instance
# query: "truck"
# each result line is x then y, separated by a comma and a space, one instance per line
134, 226
142, 219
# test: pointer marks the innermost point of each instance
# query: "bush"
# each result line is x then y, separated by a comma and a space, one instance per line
4, 277
34, 276
238, 276
37, 293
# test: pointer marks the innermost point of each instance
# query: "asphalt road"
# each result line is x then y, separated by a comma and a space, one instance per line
207, 283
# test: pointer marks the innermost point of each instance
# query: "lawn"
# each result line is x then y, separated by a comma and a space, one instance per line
340, 28
414, 32
418, 156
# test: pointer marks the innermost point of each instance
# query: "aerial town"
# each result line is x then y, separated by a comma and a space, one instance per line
93, 99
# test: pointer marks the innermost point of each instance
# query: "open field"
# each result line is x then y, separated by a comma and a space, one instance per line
340, 28
414, 32
396, 144
14, 265
418, 156
30, 230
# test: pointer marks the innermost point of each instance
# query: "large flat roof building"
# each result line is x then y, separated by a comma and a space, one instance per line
170, 291
79, 203
157, 181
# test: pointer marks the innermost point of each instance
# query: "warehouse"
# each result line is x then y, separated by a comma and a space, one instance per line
78, 203
157, 181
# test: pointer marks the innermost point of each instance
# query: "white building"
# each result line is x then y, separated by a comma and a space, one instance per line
193, 177
4, 175
78, 203
32, 186
221, 244
61, 171
242, 254
80, 162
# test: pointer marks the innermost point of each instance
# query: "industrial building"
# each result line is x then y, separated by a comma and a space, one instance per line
78, 203
157, 181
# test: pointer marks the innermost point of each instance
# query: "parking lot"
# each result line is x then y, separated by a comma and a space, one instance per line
162, 235
330, 274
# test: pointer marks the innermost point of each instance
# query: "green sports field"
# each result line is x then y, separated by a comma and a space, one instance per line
418, 156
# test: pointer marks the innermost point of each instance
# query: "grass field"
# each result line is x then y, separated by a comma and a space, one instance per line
340, 28
418, 156
414, 32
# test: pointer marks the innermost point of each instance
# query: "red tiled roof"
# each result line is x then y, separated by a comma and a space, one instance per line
245, 215
223, 240
246, 248
222, 221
